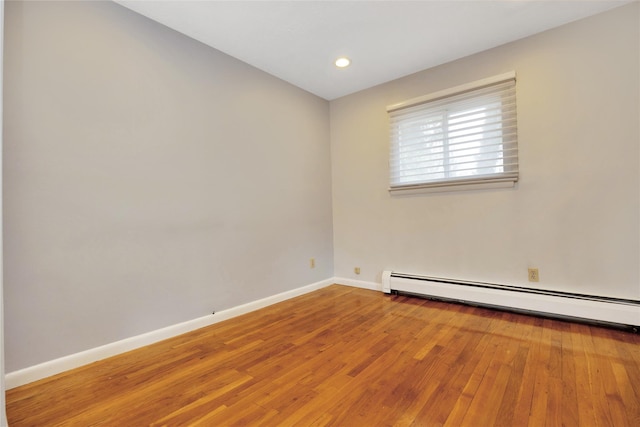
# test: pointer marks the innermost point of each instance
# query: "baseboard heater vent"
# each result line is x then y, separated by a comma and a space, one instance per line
617, 311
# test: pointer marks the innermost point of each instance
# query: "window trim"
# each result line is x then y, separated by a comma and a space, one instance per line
502, 180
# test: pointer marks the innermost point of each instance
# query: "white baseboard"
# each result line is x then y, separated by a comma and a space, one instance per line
72, 361
358, 283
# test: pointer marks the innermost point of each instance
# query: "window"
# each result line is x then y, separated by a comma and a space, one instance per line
462, 137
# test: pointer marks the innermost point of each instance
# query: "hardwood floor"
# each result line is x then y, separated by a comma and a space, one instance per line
344, 356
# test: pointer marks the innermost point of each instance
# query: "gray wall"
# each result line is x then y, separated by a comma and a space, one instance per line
3, 413
148, 180
574, 213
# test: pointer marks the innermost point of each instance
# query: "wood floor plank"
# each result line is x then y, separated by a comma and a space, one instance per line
452, 381
343, 356
586, 410
570, 411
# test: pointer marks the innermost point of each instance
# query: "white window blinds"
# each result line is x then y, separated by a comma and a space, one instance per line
465, 135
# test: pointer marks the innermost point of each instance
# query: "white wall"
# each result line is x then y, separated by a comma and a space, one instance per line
574, 213
148, 180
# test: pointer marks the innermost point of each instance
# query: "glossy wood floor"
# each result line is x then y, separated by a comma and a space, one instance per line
350, 357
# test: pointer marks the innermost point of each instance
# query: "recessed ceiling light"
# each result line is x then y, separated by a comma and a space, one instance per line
342, 62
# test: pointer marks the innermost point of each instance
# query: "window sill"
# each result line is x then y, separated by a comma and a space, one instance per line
441, 187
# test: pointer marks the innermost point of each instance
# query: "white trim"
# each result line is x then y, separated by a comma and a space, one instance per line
358, 283
386, 281
72, 361
441, 187
511, 75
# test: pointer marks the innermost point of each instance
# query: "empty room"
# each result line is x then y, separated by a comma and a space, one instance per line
308, 213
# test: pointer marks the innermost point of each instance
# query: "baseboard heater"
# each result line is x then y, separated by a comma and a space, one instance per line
615, 311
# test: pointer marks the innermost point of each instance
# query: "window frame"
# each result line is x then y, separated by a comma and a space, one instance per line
507, 178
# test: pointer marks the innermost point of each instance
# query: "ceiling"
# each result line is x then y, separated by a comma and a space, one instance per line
298, 41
